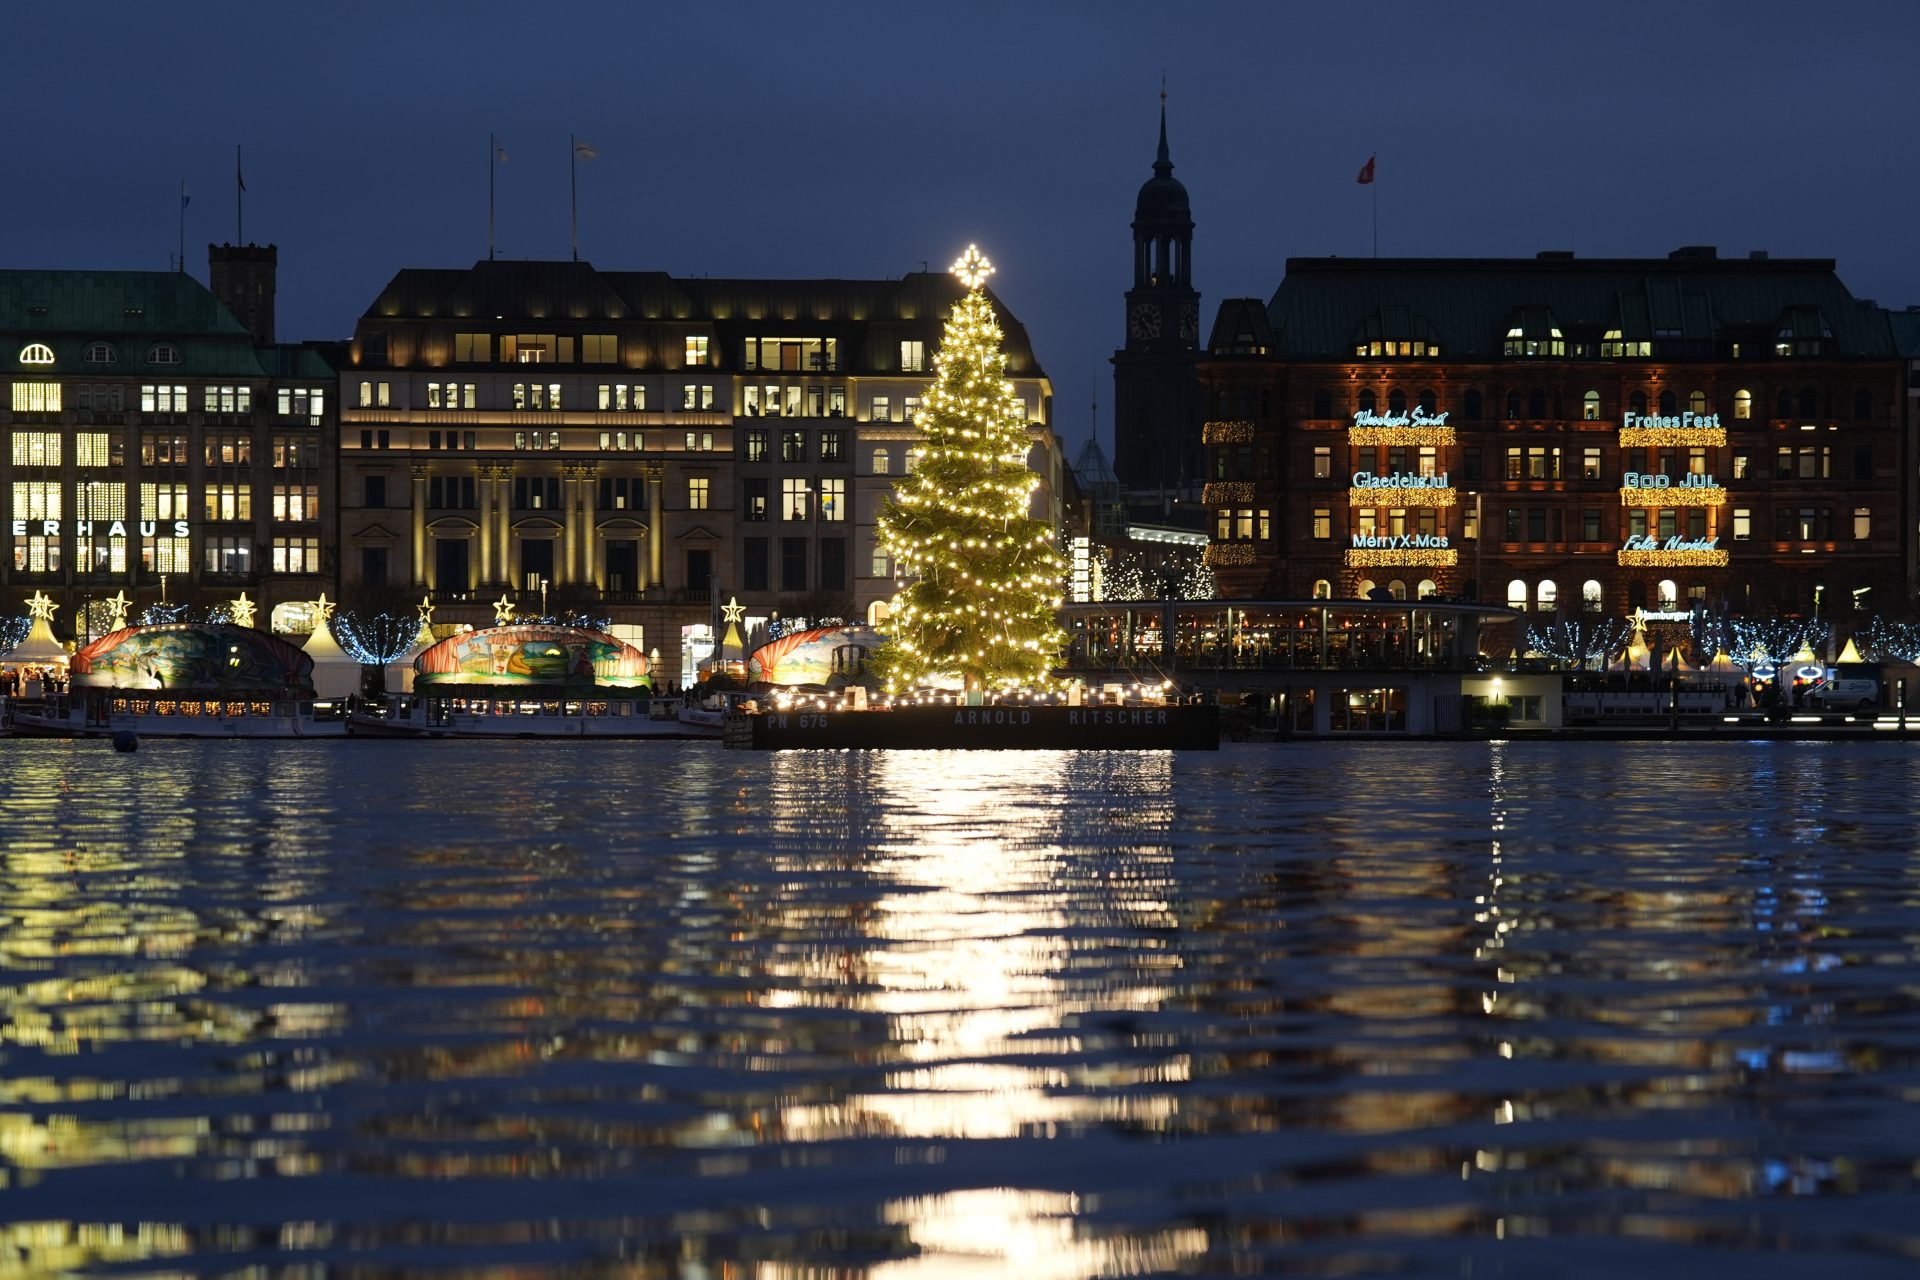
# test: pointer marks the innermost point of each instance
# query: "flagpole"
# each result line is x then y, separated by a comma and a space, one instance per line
183, 224
239, 199
493, 146
1375, 191
573, 189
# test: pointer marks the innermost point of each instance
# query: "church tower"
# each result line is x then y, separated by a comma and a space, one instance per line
1157, 402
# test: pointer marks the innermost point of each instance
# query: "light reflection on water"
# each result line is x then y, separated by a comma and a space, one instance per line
663, 1010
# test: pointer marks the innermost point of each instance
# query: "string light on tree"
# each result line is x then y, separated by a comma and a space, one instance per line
984, 577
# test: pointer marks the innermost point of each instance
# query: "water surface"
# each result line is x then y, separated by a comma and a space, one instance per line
657, 1009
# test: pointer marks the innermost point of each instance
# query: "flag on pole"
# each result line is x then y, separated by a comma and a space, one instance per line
583, 151
185, 199
238, 176
1366, 173
499, 151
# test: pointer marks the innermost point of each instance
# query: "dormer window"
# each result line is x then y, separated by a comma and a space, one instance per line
1551, 343
100, 353
163, 353
36, 353
1615, 347
1395, 348
1803, 332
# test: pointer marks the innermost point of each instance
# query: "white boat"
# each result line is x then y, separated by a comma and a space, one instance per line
708, 718
473, 712
101, 713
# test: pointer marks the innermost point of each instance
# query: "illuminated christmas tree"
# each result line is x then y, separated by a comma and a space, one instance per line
984, 574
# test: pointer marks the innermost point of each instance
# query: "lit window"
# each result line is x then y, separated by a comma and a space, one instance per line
36, 353
697, 395
696, 351
1743, 404
880, 462
697, 490
913, 357
1322, 463
600, 348
1323, 522
36, 449
882, 411
1862, 523
36, 397
1742, 524
833, 499
1590, 406
793, 498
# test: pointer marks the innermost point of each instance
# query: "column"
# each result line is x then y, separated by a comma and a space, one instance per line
656, 522
589, 569
482, 566
563, 563
503, 526
419, 472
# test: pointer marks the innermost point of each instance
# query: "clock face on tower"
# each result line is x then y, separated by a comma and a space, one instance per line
1144, 321
1189, 321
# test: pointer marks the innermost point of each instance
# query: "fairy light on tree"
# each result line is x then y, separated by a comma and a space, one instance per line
985, 578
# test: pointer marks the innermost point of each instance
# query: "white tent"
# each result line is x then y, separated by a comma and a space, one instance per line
39, 649
1850, 653
1637, 656
335, 675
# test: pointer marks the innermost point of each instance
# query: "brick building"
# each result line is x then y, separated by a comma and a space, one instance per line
1560, 434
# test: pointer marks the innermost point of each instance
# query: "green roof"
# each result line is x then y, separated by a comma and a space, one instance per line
130, 311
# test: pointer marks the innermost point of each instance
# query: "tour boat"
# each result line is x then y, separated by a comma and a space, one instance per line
708, 718
477, 712
101, 713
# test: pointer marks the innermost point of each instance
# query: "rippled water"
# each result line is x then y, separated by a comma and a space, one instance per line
665, 1010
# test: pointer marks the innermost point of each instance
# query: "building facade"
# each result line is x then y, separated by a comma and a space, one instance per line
1562, 435
641, 447
159, 449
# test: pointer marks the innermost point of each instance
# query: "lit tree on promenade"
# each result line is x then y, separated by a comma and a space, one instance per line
985, 576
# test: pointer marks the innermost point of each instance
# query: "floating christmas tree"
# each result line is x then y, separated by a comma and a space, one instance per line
984, 574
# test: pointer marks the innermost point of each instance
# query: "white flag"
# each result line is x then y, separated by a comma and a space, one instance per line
583, 151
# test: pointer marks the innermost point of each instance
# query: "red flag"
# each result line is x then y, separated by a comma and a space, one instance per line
1366, 172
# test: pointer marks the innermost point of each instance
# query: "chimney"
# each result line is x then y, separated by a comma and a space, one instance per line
241, 276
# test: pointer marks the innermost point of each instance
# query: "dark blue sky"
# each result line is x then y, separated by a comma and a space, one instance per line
837, 139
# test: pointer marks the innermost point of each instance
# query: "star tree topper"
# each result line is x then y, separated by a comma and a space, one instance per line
322, 608
117, 606
972, 267
425, 611
733, 611
41, 606
243, 611
503, 611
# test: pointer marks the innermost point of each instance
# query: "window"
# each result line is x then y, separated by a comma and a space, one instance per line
793, 498
98, 353
1862, 523
1517, 595
1547, 596
37, 449
1515, 462
880, 461
1637, 523
913, 356
833, 564
793, 446
622, 493
1469, 524
472, 348
1696, 461
36, 500
536, 493
296, 502
1590, 463
1518, 344
1669, 524
228, 501
1742, 524
227, 555
36, 553
756, 441
1614, 347
1591, 597
600, 348
832, 445
1513, 524
1590, 406
700, 442
1322, 462
297, 402
1743, 404
696, 395
163, 353
793, 564
833, 498
697, 489
1323, 523
1697, 402
620, 396
882, 567
374, 489
696, 355
1536, 524
36, 397
1669, 595
910, 409
1863, 462
756, 491
753, 564
158, 398
296, 555
882, 411
455, 493
1590, 524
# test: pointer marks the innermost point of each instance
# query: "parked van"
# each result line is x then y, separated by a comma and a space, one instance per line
1844, 693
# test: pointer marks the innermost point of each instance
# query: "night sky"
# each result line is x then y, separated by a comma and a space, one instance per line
857, 140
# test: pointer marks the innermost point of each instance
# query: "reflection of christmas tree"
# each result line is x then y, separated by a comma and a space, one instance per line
986, 576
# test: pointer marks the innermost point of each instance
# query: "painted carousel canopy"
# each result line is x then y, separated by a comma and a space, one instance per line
213, 657
538, 655
813, 657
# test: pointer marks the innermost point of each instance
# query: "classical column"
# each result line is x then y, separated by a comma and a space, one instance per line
483, 566
419, 472
656, 522
588, 569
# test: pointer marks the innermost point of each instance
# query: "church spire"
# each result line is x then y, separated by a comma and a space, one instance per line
1162, 163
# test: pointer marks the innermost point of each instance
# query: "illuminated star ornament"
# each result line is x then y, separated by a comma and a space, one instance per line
972, 267
733, 611
41, 606
243, 611
502, 611
425, 611
117, 606
322, 608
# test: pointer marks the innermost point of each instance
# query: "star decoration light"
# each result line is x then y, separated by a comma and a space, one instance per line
117, 606
41, 606
243, 611
503, 611
425, 611
733, 611
322, 608
972, 267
